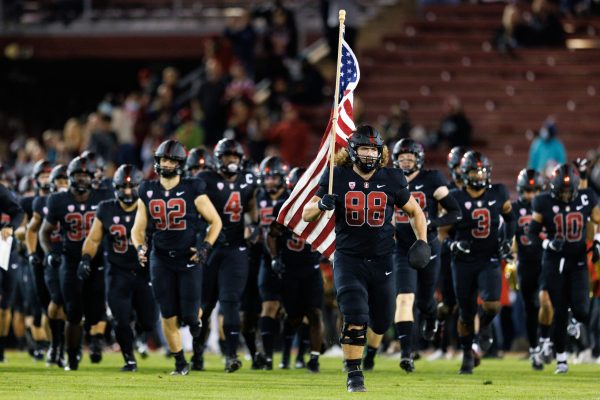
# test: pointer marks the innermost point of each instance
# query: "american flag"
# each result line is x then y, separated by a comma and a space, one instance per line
321, 233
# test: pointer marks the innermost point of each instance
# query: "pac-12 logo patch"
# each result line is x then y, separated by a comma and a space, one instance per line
116, 220
352, 185
220, 185
555, 209
71, 207
149, 193
468, 205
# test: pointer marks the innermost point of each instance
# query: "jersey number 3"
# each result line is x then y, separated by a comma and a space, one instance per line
369, 208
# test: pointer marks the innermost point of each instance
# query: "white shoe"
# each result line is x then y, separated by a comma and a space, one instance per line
547, 354
561, 368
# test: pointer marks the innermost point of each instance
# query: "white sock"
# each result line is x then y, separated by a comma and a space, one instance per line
561, 357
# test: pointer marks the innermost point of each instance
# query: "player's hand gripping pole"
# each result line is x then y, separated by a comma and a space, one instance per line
342, 18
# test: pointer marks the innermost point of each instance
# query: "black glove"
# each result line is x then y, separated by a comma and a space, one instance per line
53, 259
35, 261
203, 252
505, 250
327, 202
419, 254
254, 233
460, 246
555, 244
582, 165
277, 266
85, 267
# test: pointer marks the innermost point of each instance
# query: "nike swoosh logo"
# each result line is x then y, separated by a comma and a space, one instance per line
491, 203
387, 273
190, 265
579, 208
433, 257
317, 266
380, 186
401, 336
243, 186
417, 187
179, 193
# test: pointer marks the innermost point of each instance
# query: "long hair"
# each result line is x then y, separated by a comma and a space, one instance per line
342, 158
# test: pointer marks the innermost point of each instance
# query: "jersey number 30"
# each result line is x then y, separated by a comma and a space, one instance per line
369, 208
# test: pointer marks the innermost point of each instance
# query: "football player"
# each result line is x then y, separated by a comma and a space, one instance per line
128, 284
172, 207
564, 211
417, 287
197, 161
233, 193
529, 258
364, 196
59, 182
477, 248
75, 210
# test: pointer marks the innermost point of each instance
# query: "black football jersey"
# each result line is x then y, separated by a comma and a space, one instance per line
26, 204
364, 209
421, 188
116, 231
295, 252
231, 199
266, 206
526, 250
567, 220
480, 221
172, 215
75, 218
39, 206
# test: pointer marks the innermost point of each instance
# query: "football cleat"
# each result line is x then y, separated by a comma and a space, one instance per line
356, 382
561, 367
313, 365
142, 349
232, 364
486, 339
268, 366
299, 364
574, 329
131, 366
181, 369
258, 361
547, 351
535, 356
96, 345
407, 364
197, 362
468, 363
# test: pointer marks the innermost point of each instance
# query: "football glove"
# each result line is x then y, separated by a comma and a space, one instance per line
419, 254
460, 246
277, 266
327, 202
53, 259
85, 267
555, 244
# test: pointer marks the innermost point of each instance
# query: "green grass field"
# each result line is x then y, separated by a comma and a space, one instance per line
510, 378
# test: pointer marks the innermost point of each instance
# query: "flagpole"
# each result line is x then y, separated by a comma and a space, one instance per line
342, 17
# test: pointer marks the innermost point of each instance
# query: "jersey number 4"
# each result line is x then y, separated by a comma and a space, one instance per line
233, 207
168, 215
369, 208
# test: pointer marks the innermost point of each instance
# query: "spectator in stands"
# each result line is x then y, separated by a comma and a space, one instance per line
240, 85
278, 97
292, 136
240, 114
547, 150
124, 117
52, 141
72, 143
455, 127
397, 126
239, 31
282, 36
189, 132
211, 99
541, 28
329, 12
309, 88
103, 140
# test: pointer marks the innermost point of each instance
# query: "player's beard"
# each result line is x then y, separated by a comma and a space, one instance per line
168, 173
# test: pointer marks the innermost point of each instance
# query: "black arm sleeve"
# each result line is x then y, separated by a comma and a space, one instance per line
453, 213
534, 232
9, 206
510, 225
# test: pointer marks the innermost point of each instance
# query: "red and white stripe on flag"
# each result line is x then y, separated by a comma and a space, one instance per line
321, 233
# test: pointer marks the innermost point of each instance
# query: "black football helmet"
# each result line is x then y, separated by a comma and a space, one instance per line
228, 147
404, 146
127, 176
99, 174
41, 167
564, 183
58, 172
475, 161
198, 159
81, 165
529, 180
365, 135
453, 161
293, 177
26, 184
275, 167
172, 150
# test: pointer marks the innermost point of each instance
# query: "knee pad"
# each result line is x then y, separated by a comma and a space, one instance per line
354, 337
193, 323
